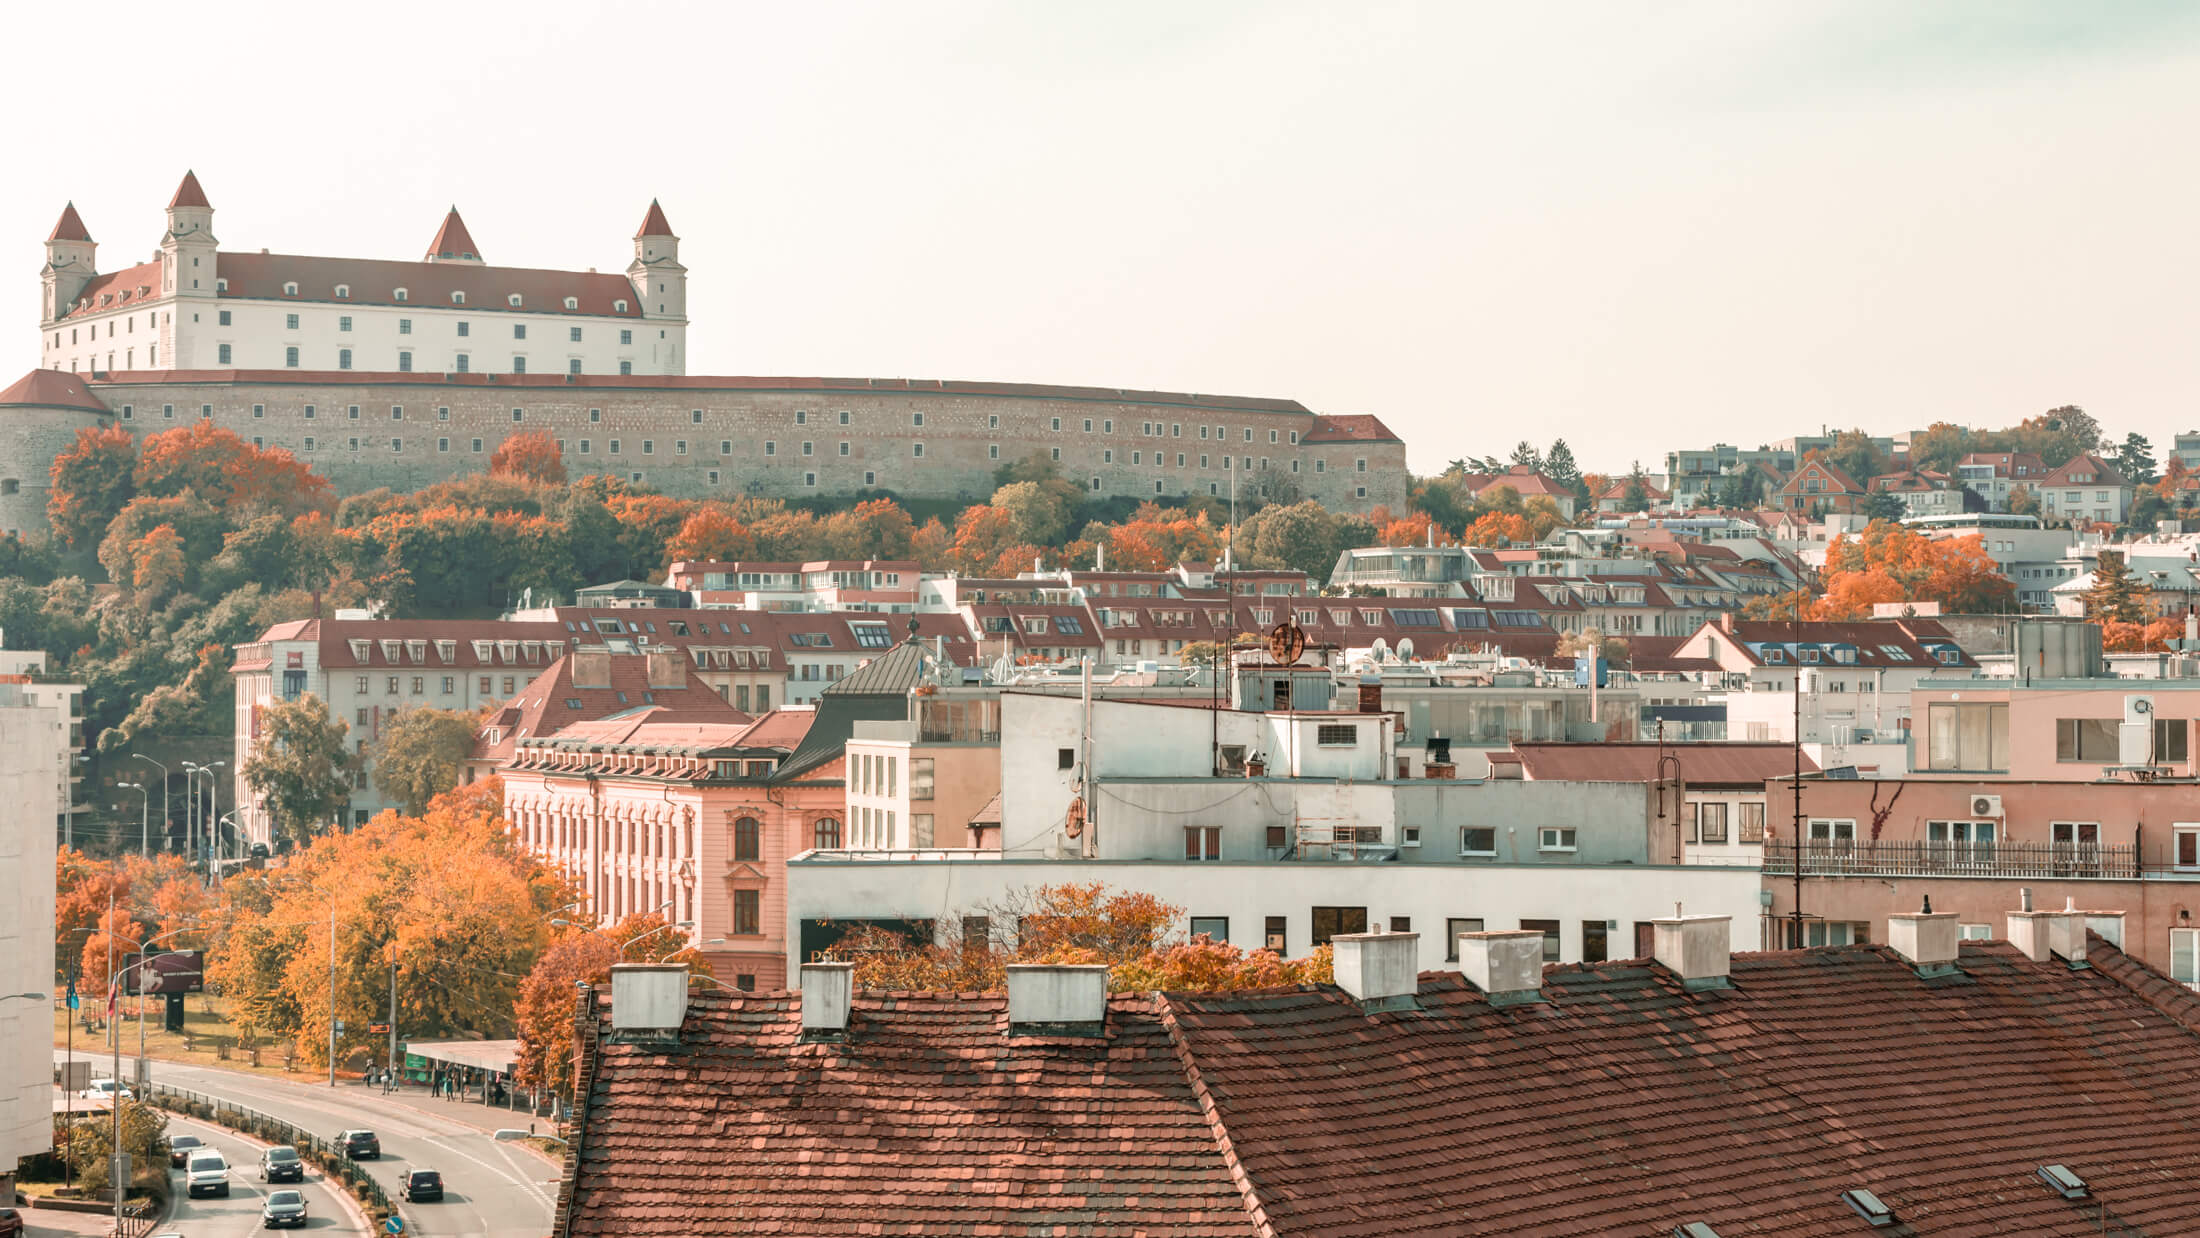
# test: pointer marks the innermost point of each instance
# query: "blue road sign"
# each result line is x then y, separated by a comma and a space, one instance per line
395, 1225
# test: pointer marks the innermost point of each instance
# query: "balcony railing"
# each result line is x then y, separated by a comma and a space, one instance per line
1955, 859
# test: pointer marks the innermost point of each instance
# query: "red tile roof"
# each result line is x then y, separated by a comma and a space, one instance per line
2096, 471
1348, 427
1722, 764
70, 227
51, 389
453, 241
188, 193
114, 289
374, 281
1620, 1104
653, 224
551, 702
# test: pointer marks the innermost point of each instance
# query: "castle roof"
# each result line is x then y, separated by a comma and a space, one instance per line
71, 227
188, 193
1349, 427
51, 389
453, 241
373, 281
653, 224
113, 289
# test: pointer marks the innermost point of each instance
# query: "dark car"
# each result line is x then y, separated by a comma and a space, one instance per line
423, 1184
11, 1222
284, 1208
359, 1145
180, 1148
282, 1164
258, 851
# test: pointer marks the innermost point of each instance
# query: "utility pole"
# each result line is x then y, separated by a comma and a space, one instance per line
1795, 626
139, 756
119, 1171
393, 1016
332, 992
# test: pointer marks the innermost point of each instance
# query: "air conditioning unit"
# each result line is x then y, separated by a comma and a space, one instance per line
1985, 805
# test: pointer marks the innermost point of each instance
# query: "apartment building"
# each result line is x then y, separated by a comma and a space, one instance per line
33, 779
26, 670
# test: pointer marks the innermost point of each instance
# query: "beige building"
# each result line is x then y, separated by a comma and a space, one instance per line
951, 750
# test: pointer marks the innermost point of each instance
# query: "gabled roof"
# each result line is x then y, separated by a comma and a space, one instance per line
188, 193
552, 701
1348, 428
111, 290
51, 389
70, 227
452, 241
653, 224
2096, 471
1833, 473
893, 673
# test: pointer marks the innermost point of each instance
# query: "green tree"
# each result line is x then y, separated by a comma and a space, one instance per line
1559, 465
2115, 596
2135, 460
2022, 502
1741, 490
1885, 505
300, 768
1039, 510
144, 1136
1524, 453
421, 754
1305, 537
1854, 453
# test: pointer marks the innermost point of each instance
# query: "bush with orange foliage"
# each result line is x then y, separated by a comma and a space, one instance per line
533, 456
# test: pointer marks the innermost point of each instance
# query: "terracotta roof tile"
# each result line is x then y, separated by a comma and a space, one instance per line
552, 701
188, 193
653, 224
51, 389
134, 285
374, 281
70, 227
452, 241
1347, 428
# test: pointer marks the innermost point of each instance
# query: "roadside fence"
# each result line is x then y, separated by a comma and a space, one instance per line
311, 1147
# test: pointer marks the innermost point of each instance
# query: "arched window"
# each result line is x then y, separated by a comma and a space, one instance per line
748, 839
825, 835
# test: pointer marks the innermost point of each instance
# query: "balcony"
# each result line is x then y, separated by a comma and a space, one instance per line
2110, 861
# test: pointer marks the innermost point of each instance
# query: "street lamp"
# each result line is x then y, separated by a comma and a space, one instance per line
9, 997
139, 756
145, 809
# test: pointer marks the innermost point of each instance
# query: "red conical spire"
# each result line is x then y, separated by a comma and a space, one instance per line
653, 224
453, 242
189, 194
70, 228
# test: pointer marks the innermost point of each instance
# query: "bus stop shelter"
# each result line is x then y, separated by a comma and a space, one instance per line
474, 1069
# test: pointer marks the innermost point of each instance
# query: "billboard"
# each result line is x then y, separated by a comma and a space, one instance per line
173, 971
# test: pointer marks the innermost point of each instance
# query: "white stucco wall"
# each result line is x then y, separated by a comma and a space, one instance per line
29, 776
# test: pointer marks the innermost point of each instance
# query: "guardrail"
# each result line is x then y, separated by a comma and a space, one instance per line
139, 1216
1906, 858
252, 1122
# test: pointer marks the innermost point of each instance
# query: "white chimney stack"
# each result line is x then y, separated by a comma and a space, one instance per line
2066, 934
1380, 970
648, 1000
828, 989
1698, 949
1507, 965
1055, 995
1927, 938
2029, 932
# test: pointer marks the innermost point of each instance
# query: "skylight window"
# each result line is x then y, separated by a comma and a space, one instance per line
2060, 1180
1867, 1205
1694, 1229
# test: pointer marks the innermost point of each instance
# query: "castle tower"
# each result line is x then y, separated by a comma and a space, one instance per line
70, 264
187, 251
660, 284
453, 243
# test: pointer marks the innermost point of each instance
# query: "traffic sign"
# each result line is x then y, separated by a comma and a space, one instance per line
395, 1225
339, 1026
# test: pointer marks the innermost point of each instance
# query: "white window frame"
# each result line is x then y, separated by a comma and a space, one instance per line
2184, 957
1463, 848
1563, 838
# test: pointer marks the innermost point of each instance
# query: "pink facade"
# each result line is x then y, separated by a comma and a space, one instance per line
2063, 729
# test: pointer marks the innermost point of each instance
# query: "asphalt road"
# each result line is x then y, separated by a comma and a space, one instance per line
490, 1189
238, 1216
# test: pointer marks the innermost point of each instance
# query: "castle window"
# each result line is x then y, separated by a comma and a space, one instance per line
310, 412
290, 356
1294, 438
257, 441
465, 328
770, 448
802, 416
397, 444
915, 419
696, 416
206, 411
290, 290
626, 367
1359, 492
844, 418
992, 421
397, 412
649, 447
614, 447
573, 366
351, 412
477, 446
809, 449
519, 365
574, 303
1108, 456
1057, 423
519, 414
222, 318
512, 300
1057, 453
129, 412
355, 444
844, 447
714, 477
809, 479
680, 447
221, 285
290, 322
404, 363
343, 358
222, 354
1107, 427
309, 443
343, 293
459, 298
443, 444
585, 446
725, 447
519, 329
404, 326
443, 414
870, 479
402, 295
1088, 425
259, 411
992, 451
464, 363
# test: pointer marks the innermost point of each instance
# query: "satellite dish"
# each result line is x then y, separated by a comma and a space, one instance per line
1405, 649
1286, 642
1001, 667
1380, 650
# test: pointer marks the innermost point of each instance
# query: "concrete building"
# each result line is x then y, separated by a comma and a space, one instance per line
2033, 557
939, 770
1995, 475
32, 771
194, 306
26, 671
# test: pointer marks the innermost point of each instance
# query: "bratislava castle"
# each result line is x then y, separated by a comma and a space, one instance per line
196, 306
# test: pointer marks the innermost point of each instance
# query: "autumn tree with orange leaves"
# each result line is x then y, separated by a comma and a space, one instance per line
228, 472
89, 483
532, 456
1891, 563
574, 958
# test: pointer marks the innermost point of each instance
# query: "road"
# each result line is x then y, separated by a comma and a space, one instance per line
491, 1189
238, 1216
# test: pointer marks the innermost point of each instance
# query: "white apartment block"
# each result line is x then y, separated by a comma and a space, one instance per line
26, 671
29, 779
193, 306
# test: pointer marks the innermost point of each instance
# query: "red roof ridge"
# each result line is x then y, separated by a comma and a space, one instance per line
188, 193
70, 227
653, 224
452, 241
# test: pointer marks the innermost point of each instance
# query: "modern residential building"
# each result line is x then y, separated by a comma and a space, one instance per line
939, 769
26, 670
820, 585
1702, 803
2033, 557
32, 781
1693, 476
1923, 493
1657, 1095
1995, 475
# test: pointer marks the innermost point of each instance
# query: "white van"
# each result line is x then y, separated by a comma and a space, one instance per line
208, 1173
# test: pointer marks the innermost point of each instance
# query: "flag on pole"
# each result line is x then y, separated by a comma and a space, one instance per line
72, 992
114, 991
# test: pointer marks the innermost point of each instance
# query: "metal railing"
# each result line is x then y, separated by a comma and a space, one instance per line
334, 1163
1909, 858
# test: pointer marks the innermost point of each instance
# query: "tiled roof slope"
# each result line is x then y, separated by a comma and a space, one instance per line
1626, 1105
51, 389
941, 1123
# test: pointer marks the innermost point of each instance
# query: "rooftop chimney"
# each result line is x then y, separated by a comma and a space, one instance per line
2066, 935
1927, 938
648, 1000
1058, 999
1698, 949
1371, 694
827, 991
592, 667
1507, 965
1380, 970
667, 668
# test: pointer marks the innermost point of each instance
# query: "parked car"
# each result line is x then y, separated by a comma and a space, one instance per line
102, 1089
281, 1163
359, 1145
11, 1223
180, 1148
284, 1208
208, 1174
423, 1184
258, 851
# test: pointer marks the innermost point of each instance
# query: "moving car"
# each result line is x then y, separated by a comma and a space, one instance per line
423, 1184
284, 1208
208, 1174
102, 1089
281, 1163
359, 1145
180, 1148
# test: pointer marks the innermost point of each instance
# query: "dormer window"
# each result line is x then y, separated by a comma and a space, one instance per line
572, 303
458, 298
343, 292
402, 294
512, 300
221, 285
290, 289
618, 307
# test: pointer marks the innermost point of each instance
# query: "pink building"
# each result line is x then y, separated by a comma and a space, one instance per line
2076, 730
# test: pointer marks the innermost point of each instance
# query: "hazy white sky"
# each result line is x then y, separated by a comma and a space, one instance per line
1639, 226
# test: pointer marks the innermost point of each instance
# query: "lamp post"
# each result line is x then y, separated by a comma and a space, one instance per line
145, 810
139, 756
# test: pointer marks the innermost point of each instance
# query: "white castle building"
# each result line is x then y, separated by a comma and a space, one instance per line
195, 306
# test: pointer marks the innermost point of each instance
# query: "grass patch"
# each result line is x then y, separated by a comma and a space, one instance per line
208, 1037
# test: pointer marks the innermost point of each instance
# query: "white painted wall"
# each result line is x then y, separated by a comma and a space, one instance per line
938, 889
28, 780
